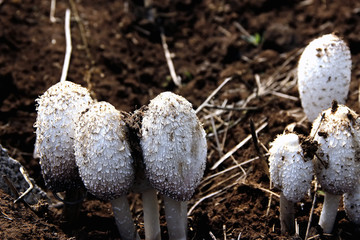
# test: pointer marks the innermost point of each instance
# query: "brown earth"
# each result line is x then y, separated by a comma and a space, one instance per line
117, 53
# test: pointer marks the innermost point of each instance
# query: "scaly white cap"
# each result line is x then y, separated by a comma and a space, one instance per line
337, 133
103, 153
59, 108
290, 171
174, 146
324, 74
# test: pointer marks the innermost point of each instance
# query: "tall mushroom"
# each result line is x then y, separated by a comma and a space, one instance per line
58, 109
105, 163
291, 170
337, 163
174, 149
324, 74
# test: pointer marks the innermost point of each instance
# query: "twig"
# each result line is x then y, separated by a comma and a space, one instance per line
31, 185
230, 168
313, 237
52, 11
242, 29
217, 184
282, 95
202, 199
5, 215
176, 79
224, 231
226, 124
255, 139
219, 148
296, 228
239, 236
259, 90
237, 163
212, 235
311, 213
213, 114
226, 129
262, 189
68, 46
269, 203
237, 147
16, 193
232, 108
213, 94
209, 196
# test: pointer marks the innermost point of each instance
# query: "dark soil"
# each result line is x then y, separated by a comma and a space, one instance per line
117, 53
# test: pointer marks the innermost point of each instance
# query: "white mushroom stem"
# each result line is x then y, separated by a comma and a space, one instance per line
287, 215
123, 219
329, 211
151, 215
176, 218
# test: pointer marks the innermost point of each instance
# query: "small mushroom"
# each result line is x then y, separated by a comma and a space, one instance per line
337, 163
105, 163
291, 170
174, 150
324, 74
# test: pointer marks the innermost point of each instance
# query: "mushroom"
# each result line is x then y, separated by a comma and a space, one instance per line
58, 109
324, 74
337, 163
174, 150
105, 163
291, 170
352, 206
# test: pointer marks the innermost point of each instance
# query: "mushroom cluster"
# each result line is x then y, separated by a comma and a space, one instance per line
324, 74
331, 153
82, 142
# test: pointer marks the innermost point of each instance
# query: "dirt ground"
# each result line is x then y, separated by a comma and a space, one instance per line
118, 54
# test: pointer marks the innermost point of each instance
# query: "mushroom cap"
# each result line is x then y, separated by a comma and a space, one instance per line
59, 108
324, 74
352, 205
338, 136
290, 171
103, 153
174, 146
